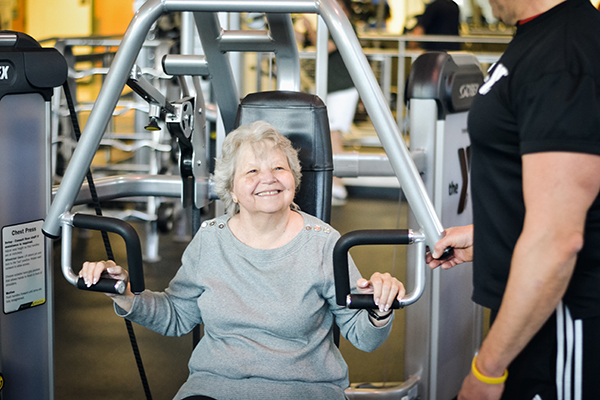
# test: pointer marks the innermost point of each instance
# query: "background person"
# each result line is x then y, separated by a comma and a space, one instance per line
535, 140
342, 96
441, 17
260, 279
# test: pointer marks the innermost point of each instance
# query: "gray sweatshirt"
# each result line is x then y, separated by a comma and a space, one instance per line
267, 316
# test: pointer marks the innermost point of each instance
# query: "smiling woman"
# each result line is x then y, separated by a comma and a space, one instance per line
261, 281
256, 138
263, 186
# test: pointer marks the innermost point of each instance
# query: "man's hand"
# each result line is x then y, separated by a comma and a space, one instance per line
460, 238
473, 389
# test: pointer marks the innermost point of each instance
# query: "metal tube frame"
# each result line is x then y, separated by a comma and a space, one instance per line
420, 271
66, 247
348, 45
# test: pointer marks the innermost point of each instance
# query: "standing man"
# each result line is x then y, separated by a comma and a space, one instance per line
441, 17
535, 246
342, 97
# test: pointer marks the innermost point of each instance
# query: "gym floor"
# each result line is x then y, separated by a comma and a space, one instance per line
93, 356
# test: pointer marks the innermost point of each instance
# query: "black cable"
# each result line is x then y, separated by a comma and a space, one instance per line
105, 239
89, 177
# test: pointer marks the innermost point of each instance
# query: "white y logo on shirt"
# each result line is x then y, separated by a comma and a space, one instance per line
499, 72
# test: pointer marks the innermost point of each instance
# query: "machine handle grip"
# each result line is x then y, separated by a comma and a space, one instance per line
448, 252
360, 301
105, 285
340, 262
132, 244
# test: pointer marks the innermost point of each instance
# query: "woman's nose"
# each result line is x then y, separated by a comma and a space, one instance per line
267, 176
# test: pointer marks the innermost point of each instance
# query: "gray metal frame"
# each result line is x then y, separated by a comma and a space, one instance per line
445, 329
342, 34
216, 65
27, 336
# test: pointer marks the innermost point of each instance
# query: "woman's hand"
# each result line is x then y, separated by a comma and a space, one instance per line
460, 238
385, 289
91, 272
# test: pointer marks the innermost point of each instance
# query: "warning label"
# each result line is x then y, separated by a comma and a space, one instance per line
23, 266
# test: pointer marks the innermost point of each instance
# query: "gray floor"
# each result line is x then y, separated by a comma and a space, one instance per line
93, 356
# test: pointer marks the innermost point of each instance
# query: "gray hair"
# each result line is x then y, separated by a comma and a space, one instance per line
253, 133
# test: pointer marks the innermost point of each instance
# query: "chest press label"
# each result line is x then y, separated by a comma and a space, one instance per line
23, 266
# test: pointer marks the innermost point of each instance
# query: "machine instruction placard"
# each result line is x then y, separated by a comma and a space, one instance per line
23, 266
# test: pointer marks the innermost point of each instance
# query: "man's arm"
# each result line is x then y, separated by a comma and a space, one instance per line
311, 34
558, 189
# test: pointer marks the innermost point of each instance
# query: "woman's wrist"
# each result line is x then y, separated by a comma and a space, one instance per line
125, 300
378, 318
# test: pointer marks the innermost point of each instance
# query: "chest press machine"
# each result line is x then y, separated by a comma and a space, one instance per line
186, 121
28, 74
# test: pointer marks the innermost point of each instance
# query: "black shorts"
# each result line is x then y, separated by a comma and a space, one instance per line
561, 362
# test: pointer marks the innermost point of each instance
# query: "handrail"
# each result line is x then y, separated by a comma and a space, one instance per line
500, 39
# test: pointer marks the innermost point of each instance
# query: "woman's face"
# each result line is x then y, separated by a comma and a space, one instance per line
263, 181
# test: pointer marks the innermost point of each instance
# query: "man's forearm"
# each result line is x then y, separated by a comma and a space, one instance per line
540, 273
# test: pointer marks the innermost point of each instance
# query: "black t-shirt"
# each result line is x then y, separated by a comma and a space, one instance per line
338, 77
441, 17
542, 95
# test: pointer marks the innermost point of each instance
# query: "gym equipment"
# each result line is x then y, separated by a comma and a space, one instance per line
146, 146
28, 74
215, 43
443, 330
189, 121
441, 88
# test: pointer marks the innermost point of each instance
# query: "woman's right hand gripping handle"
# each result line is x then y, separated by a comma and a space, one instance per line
460, 239
91, 272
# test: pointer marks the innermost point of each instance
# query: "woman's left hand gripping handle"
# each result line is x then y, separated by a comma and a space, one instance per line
384, 288
103, 276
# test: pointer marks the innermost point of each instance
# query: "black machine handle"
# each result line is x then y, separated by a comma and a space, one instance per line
104, 285
132, 245
340, 262
448, 252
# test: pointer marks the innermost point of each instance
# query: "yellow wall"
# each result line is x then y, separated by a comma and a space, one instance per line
7, 13
45, 18
112, 17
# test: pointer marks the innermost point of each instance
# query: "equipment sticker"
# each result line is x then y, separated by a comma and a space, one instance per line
23, 266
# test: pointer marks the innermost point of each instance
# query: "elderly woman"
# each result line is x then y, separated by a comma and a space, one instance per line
260, 279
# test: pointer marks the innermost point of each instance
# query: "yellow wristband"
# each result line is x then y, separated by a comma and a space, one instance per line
487, 379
